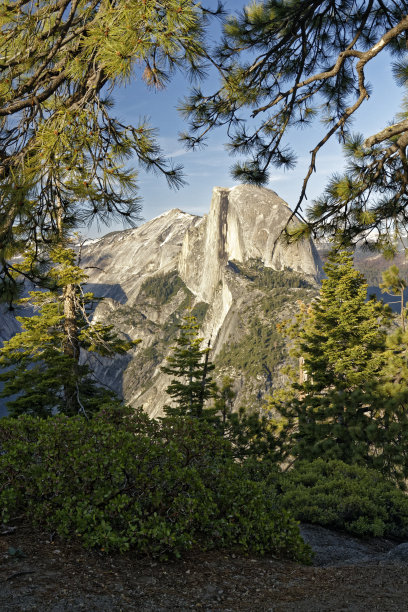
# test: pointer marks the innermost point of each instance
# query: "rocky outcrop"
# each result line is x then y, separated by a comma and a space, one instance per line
244, 222
337, 548
118, 263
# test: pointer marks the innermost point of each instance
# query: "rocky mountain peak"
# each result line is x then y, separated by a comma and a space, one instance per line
218, 265
244, 222
120, 261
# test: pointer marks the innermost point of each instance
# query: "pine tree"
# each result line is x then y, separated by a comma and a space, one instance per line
42, 363
393, 394
61, 146
335, 411
191, 367
288, 63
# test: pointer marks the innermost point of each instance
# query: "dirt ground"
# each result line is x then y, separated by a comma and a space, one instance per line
45, 574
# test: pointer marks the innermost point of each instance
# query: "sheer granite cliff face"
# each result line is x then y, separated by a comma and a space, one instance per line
244, 223
151, 274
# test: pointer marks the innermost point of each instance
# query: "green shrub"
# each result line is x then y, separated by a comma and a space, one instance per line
246, 516
157, 487
350, 497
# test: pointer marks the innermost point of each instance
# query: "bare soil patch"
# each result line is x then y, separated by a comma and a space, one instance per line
45, 574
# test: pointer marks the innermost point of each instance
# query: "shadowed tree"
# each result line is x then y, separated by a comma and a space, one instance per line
337, 409
191, 368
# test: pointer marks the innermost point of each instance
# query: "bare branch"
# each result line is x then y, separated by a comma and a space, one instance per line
386, 133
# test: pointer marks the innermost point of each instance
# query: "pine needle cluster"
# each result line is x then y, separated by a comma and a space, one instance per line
63, 153
283, 65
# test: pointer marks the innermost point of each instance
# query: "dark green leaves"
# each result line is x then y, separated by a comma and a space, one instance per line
127, 482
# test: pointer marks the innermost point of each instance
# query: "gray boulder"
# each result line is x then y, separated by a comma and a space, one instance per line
399, 553
334, 548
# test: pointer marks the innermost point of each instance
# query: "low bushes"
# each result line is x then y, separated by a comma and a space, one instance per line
160, 488
350, 497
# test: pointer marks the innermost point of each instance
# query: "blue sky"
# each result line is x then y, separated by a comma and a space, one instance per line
210, 166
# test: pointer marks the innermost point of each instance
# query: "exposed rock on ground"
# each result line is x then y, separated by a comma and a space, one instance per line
333, 548
37, 574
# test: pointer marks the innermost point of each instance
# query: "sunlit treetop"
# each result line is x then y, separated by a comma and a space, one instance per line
61, 147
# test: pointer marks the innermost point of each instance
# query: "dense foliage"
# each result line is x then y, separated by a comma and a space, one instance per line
348, 497
335, 409
159, 488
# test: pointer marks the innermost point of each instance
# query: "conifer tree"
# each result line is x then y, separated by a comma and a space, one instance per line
61, 146
393, 391
192, 384
335, 410
288, 63
42, 363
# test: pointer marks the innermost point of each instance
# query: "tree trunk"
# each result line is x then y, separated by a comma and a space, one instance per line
201, 399
71, 348
71, 342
